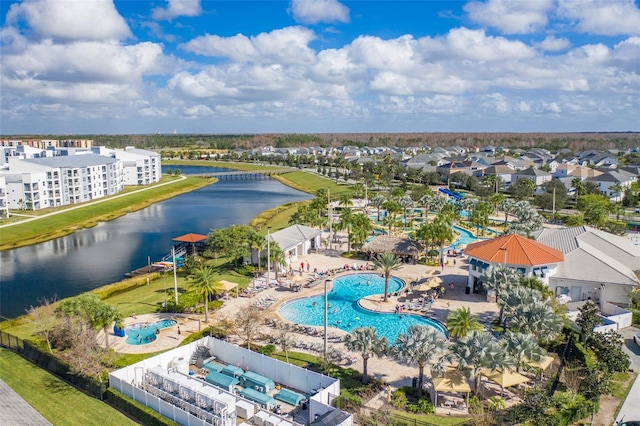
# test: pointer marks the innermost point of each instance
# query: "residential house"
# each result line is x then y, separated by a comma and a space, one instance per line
536, 175
607, 181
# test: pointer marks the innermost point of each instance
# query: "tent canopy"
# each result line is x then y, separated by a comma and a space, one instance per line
453, 381
432, 282
543, 364
505, 379
228, 285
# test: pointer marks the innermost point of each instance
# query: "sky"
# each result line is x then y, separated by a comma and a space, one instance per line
318, 66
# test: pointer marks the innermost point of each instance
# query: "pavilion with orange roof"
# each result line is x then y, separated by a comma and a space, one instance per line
527, 256
192, 243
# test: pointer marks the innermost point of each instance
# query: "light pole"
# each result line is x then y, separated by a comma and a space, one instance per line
268, 254
326, 316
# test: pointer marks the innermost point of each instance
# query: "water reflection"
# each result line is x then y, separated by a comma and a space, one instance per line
93, 257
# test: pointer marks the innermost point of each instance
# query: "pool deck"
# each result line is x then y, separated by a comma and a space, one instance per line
386, 369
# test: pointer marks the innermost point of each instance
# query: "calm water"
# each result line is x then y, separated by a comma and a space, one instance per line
101, 255
345, 313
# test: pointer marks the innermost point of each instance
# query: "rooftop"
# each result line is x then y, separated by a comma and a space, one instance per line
514, 249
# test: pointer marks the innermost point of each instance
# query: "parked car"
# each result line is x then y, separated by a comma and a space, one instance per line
636, 338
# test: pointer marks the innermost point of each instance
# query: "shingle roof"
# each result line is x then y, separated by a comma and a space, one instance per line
518, 250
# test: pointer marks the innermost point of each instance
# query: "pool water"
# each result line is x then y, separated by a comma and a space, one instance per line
466, 237
144, 333
344, 312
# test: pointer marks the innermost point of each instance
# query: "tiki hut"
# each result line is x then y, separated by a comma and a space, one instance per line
406, 248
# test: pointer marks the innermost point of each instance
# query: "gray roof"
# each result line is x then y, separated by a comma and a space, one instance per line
593, 255
82, 160
395, 245
292, 236
532, 172
143, 152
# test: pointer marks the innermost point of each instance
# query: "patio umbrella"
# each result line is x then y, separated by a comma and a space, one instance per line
432, 282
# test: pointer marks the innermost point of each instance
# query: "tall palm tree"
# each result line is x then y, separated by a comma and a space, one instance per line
460, 323
388, 262
421, 345
406, 203
538, 317
259, 243
361, 228
203, 281
439, 202
378, 201
507, 205
346, 199
366, 341
105, 316
426, 201
501, 279
578, 185
522, 346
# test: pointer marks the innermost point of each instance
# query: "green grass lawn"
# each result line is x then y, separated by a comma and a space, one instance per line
221, 164
309, 182
65, 223
57, 401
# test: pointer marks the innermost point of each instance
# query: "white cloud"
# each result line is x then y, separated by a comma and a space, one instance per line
552, 44
511, 16
69, 20
606, 17
316, 11
476, 45
286, 46
177, 8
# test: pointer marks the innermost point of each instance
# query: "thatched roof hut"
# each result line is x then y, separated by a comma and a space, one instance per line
396, 245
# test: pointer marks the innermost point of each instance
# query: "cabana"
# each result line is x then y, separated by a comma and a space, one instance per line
289, 397
228, 285
543, 364
452, 381
193, 243
505, 379
222, 381
257, 382
232, 371
265, 401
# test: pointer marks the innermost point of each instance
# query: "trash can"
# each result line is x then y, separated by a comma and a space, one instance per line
304, 405
414, 382
467, 290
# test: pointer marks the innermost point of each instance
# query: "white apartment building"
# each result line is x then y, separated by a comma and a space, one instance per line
37, 183
4, 206
140, 167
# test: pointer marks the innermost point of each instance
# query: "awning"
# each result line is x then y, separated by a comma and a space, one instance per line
473, 262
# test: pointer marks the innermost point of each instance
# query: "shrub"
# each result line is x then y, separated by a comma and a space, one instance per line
399, 400
124, 285
423, 405
267, 350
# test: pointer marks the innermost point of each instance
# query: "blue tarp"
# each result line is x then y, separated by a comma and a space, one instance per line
290, 397
260, 398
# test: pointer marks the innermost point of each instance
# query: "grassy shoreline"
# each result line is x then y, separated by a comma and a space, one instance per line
64, 221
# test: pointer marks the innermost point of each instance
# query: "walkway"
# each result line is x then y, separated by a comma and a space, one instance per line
15, 411
83, 205
630, 409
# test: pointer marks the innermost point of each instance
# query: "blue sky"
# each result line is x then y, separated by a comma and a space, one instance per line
319, 66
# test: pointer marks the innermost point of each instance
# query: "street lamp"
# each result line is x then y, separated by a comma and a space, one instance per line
326, 316
268, 255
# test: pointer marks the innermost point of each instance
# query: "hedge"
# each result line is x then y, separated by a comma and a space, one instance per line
139, 412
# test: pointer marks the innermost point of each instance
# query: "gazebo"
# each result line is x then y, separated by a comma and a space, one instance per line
228, 285
453, 381
403, 247
193, 243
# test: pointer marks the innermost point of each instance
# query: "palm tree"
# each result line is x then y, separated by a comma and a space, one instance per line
105, 317
439, 202
480, 351
501, 279
426, 201
507, 205
378, 201
617, 189
393, 208
259, 242
537, 317
406, 203
346, 199
361, 228
421, 345
522, 346
578, 185
388, 262
366, 341
460, 323
203, 281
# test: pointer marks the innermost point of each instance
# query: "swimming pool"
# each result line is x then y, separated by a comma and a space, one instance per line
143, 332
466, 237
345, 313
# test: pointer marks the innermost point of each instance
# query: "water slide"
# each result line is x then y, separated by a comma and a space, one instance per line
450, 193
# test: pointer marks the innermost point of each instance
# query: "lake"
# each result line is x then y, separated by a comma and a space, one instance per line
97, 256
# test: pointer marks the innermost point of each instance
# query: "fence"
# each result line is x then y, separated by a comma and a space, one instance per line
50, 363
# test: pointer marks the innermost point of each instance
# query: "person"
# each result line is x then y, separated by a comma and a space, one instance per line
301, 266
139, 339
179, 330
454, 262
442, 265
157, 331
307, 266
133, 315
451, 286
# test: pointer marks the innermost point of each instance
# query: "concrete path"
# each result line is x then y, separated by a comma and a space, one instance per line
15, 411
631, 407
